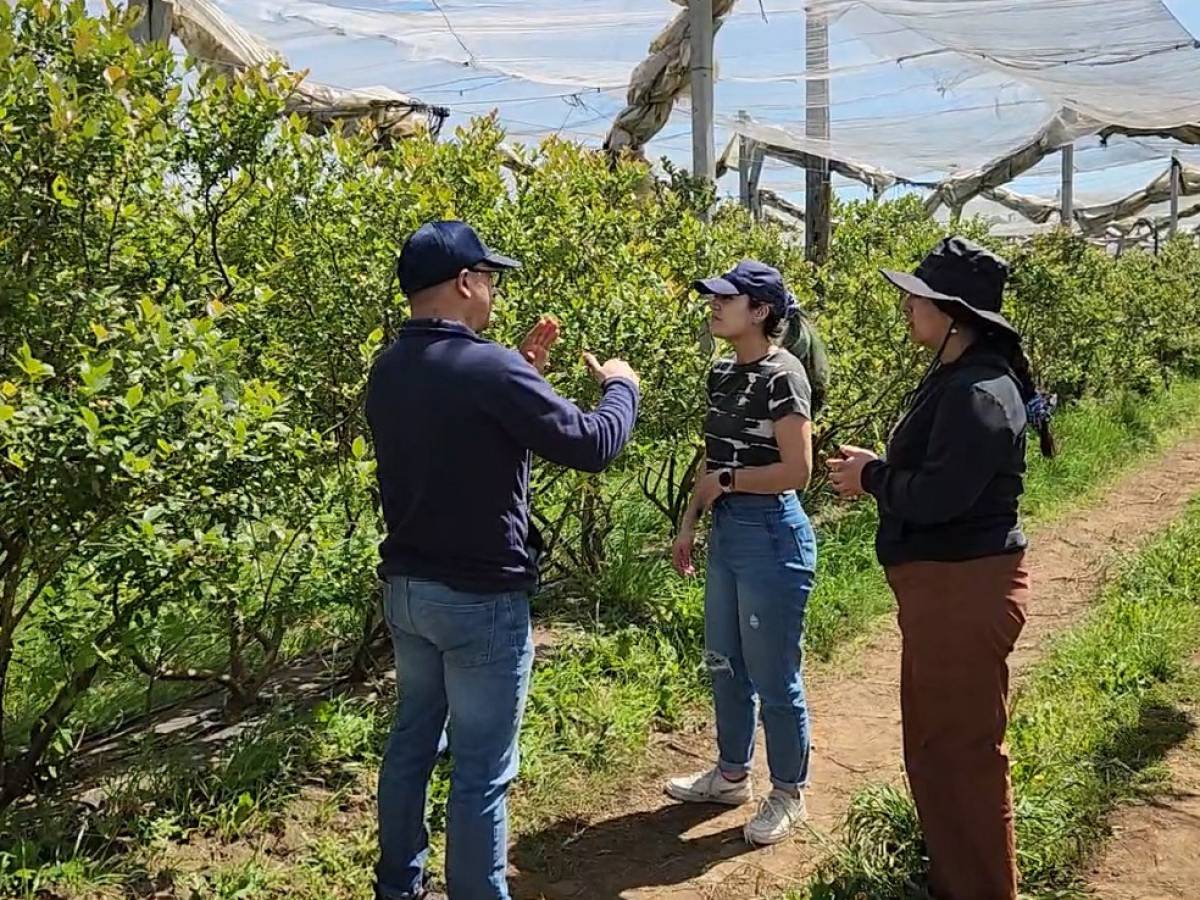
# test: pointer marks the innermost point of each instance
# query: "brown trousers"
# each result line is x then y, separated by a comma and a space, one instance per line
959, 622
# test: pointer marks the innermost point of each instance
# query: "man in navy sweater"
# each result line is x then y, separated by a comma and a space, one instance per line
456, 419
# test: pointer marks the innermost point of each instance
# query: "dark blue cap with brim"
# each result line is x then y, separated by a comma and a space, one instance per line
438, 251
754, 279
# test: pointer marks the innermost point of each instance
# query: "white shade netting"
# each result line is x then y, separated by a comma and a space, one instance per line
956, 97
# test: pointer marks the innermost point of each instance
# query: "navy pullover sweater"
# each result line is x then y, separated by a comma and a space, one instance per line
455, 419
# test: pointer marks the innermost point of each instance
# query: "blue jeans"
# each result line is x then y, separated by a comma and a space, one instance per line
462, 664
761, 563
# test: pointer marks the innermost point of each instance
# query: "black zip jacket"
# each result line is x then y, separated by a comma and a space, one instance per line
955, 465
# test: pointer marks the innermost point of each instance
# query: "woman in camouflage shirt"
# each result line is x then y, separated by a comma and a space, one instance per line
762, 550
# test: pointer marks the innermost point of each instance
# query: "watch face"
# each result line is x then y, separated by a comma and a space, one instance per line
725, 479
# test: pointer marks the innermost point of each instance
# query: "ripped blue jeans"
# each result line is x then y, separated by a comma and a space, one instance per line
761, 563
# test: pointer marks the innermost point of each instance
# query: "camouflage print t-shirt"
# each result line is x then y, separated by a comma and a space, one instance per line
744, 403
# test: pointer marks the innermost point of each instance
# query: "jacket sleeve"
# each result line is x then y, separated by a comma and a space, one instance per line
555, 428
970, 438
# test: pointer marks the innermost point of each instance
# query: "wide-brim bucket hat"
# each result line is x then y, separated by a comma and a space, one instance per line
965, 280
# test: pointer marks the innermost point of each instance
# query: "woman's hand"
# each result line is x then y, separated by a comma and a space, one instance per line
681, 550
845, 470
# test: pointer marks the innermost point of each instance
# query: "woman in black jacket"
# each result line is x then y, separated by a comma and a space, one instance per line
951, 543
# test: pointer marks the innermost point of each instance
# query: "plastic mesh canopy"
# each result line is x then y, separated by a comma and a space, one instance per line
562, 43
972, 79
926, 89
1123, 61
975, 80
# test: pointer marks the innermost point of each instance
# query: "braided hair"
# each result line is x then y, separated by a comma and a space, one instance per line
1039, 406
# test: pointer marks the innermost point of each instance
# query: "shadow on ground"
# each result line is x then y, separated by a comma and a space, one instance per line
1160, 727
571, 860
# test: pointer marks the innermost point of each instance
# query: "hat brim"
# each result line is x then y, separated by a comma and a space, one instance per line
962, 311
496, 261
910, 283
955, 307
720, 286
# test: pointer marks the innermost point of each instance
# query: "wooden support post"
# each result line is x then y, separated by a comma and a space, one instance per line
750, 165
704, 157
155, 23
756, 167
1175, 187
816, 125
745, 159
745, 154
1067, 214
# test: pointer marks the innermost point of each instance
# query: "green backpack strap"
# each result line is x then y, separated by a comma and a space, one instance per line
806, 345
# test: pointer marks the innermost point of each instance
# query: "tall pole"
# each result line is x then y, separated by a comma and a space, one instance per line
704, 156
1067, 215
816, 125
745, 158
756, 167
1175, 173
155, 23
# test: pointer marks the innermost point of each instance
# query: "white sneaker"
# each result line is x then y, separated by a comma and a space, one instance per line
710, 787
777, 817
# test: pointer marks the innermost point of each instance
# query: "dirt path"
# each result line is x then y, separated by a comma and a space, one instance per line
1154, 851
644, 846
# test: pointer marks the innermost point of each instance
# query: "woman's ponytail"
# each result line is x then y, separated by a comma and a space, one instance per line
1039, 406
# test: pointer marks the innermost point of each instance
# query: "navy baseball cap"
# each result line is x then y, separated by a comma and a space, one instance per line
755, 279
438, 251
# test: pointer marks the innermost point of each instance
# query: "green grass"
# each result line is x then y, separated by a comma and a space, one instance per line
1098, 440
1090, 728
626, 663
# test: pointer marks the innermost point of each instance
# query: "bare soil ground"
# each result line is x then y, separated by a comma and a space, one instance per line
639, 845
1154, 852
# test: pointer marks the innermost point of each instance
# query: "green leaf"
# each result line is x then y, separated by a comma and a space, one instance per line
148, 310
359, 447
90, 420
6, 412
34, 368
62, 192
134, 396
95, 375
85, 657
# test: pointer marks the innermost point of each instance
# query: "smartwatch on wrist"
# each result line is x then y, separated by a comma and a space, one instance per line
725, 479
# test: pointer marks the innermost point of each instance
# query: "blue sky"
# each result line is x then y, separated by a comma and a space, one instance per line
1187, 12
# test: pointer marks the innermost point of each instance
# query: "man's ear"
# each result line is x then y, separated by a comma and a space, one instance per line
461, 283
